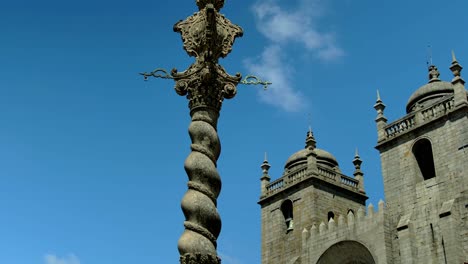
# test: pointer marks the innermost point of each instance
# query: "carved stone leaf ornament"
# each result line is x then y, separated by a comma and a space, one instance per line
195, 31
207, 36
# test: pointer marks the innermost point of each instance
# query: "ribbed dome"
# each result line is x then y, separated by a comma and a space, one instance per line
428, 93
323, 157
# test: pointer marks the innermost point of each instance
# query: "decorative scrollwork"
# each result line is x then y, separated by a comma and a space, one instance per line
182, 86
254, 80
158, 73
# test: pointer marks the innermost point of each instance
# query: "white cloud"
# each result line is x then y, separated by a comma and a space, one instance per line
273, 68
53, 259
225, 259
283, 28
299, 25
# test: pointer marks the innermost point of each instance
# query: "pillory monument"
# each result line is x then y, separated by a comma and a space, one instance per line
314, 213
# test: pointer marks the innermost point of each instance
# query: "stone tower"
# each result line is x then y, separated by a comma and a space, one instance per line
312, 191
314, 214
424, 161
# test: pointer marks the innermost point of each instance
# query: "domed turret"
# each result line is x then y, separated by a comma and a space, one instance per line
323, 157
430, 92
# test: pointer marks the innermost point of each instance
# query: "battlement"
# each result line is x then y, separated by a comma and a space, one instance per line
366, 228
352, 223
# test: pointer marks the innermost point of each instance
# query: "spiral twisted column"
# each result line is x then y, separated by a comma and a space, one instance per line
203, 223
207, 35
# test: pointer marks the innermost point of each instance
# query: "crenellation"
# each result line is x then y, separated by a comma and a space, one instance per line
331, 225
365, 222
360, 215
322, 228
370, 211
341, 221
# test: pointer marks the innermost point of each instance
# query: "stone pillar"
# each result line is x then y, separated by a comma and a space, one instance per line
207, 36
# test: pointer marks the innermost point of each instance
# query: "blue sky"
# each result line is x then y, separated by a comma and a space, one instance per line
91, 156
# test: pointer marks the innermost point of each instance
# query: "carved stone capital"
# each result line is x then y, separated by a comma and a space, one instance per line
206, 85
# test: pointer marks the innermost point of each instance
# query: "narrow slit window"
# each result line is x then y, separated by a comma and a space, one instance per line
287, 209
422, 151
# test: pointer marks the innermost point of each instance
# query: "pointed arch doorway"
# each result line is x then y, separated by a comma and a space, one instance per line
346, 252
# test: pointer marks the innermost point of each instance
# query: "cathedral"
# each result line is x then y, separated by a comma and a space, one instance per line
315, 214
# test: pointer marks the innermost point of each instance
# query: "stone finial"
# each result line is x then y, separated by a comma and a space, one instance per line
458, 83
380, 107
310, 140
433, 74
265, 179
358, 174
357, 162
459, 90
381, 120
456, 69
265, 167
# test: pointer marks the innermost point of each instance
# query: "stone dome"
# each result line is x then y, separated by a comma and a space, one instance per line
323, 157
430, 92
427, 93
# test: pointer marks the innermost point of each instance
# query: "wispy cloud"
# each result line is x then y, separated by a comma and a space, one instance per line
228, 259
53, 259
272, 67
283, 27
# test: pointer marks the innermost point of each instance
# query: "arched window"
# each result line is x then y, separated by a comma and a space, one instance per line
287, 209
422, 151
331, 215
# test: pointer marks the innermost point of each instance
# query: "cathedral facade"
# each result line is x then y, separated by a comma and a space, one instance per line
314, 213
